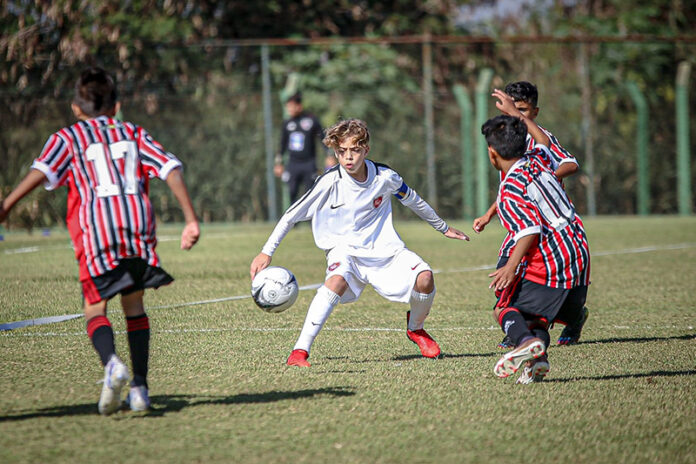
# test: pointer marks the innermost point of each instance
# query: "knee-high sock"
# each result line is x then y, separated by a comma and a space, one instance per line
319, 311
102, 335
540, 330
420, 308
514, 325
139, 341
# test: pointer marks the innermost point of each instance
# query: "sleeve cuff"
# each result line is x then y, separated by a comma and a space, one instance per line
568, 160
168, 167
267, 250
528, 231
52, 180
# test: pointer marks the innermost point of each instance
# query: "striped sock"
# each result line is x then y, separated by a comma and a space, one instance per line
514, 325
139, 341
102, 335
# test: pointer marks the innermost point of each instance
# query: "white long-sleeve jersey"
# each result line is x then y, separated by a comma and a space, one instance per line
355, 215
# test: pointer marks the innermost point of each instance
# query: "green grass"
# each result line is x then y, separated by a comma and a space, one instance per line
221, 392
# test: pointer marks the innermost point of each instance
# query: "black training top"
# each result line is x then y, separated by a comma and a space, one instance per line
298, 137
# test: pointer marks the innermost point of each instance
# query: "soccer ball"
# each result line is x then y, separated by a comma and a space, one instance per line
274, 289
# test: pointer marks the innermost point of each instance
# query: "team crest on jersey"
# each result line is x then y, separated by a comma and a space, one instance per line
292, 125
334, 266
306, 123
376, 202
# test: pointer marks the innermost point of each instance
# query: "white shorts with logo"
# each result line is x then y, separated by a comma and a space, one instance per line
392, 277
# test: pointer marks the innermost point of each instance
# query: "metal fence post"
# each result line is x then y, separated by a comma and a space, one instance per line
429, 123
587, 130
466, 146
642, 163
268, 132
482, 96
683, 149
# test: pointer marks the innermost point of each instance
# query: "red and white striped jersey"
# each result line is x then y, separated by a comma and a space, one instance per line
531, 201
553, 157
558, 154
106, 165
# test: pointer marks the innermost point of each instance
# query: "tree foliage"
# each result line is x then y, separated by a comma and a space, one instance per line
202, 98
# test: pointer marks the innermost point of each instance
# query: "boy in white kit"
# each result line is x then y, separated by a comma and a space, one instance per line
350, 210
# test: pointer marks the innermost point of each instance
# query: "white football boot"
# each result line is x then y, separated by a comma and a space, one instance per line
511, 361
115, 378
138, 399
534, 371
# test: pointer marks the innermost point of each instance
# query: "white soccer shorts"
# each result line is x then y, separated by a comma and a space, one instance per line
392, 277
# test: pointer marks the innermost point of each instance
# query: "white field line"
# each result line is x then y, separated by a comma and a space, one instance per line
330, 329
41, 321
38, 248
35, 249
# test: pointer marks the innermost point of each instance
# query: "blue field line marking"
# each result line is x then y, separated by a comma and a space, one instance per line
67, 317
38, 321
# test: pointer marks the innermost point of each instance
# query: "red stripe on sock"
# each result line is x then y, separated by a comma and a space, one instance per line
503, 313
96, 322
141, 323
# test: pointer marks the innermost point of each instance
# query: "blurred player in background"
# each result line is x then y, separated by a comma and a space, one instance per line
520, 99
547, 273
351, 214
301, 131
106, 165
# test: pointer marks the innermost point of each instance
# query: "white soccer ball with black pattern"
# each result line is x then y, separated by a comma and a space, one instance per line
274, 289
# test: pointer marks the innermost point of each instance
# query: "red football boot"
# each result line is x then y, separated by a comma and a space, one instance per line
298, 358
428, 347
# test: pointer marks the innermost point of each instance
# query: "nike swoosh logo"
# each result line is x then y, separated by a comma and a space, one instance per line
337, 206
315, 323
414, 267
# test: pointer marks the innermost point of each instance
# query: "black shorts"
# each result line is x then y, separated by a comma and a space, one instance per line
131, 275
537, 300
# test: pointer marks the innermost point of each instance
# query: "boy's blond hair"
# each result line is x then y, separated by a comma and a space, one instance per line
355, 129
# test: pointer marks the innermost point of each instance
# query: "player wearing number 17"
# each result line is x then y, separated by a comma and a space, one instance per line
106, 165
351, 214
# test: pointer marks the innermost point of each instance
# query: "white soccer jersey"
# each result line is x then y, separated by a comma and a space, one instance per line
355, 215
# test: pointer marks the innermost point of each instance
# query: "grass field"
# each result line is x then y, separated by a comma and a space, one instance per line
221, 391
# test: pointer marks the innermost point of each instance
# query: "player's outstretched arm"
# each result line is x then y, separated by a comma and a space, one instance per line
451, 232
506, 105
262, 261
29, 183
191, 232
480, 223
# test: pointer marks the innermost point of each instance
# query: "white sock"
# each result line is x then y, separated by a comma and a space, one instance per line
420, 307
319, 311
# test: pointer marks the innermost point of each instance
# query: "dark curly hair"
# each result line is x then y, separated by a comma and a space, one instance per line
523, 91
95, 92
507, 135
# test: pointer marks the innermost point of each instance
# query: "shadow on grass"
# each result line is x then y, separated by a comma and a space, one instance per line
162, 404
636, 339
625, 376
409, 357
